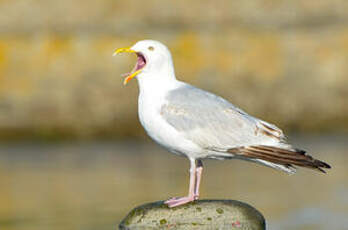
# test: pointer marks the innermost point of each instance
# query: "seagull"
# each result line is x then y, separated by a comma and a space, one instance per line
191, 122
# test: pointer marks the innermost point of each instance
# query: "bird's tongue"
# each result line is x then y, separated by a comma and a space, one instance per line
140, 64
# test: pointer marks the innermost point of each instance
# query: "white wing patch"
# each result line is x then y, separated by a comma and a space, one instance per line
265, 128
213, 123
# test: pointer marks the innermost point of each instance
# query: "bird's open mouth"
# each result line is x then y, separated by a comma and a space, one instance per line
141, 62
139, 65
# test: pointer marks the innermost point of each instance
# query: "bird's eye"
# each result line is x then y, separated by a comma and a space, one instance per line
151, 48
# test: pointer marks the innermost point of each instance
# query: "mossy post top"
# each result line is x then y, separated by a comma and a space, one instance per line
201, 214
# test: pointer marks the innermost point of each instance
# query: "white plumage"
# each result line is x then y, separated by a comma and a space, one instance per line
198, 124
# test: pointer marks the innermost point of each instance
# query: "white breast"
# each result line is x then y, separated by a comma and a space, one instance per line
150, 103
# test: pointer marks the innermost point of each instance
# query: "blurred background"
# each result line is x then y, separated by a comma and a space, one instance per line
73, 154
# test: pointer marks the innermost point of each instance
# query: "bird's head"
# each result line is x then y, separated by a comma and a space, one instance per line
152, 57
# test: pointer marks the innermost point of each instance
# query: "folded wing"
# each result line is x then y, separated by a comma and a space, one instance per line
214, 123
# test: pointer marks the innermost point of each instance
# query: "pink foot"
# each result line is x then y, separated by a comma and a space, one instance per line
177, 201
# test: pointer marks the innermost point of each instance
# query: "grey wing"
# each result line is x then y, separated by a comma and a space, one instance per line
213, 123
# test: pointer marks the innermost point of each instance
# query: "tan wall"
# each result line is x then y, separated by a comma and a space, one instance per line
284, 61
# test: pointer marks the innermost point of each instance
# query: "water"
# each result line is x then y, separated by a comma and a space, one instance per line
92, 185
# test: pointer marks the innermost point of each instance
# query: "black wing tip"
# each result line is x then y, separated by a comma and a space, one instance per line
321, 164
310, 161
300, 151
318, 164
325, 165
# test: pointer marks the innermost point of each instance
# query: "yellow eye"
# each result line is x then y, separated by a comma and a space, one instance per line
151, 48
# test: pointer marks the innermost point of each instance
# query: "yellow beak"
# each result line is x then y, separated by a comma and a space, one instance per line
127, 50
124, 50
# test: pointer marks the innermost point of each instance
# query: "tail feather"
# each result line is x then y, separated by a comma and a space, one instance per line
285, 157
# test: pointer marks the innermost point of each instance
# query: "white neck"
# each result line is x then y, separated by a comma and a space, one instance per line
150, 83
158, 80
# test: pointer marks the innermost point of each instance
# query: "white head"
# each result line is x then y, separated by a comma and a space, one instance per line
153, 60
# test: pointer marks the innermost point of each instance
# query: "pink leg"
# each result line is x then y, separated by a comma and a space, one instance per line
199, 170
177, 201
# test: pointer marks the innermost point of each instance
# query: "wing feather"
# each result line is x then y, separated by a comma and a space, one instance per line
286, 157
213, 123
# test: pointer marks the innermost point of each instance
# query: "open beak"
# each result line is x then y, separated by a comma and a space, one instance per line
141, 62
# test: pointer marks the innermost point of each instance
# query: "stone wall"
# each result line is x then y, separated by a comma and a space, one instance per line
284, 61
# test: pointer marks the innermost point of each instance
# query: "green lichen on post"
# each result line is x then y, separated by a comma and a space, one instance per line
163, 221
219, 210
202, 214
